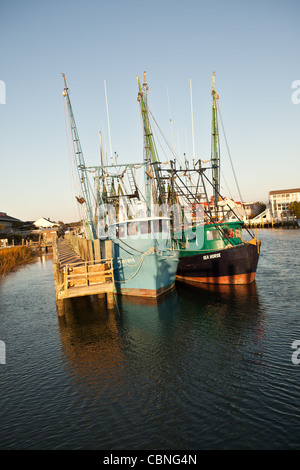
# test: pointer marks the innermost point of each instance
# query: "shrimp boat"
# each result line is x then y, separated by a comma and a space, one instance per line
215, 252
220, 260
144, 259
144, 262
207, 232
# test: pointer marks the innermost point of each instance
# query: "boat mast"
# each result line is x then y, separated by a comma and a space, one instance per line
215, 146
150, 152
82, 173
192, 116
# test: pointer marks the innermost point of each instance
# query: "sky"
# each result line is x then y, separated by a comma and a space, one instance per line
252, 46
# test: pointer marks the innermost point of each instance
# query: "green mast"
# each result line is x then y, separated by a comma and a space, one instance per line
150, 153
215, 146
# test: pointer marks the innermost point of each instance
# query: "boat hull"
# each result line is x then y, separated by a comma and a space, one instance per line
235, 265
146, 276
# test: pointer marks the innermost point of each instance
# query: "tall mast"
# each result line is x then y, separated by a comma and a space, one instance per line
150, 152
82, 173
192, 116
215, 146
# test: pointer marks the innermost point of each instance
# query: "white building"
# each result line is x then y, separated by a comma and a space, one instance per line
280, 200
44, 223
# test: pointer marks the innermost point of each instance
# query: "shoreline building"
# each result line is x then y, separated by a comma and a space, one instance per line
280, 200
44, 223
7, 222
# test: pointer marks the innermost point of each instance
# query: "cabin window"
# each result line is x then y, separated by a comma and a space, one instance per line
165, 226
191, 237
157, 226
145, 227
120, 231
213, 235
132, 229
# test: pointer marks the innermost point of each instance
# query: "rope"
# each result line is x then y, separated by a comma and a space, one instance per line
151, 250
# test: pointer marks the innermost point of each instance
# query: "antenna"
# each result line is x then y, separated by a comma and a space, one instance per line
101, 149
192, 122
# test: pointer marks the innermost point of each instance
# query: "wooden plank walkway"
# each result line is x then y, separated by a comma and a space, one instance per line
75, 277
65, 255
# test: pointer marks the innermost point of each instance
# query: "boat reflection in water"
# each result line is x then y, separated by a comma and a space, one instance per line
99, 342
146, 366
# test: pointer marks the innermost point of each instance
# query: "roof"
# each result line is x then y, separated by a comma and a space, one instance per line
43, 222
7, 218
282, 191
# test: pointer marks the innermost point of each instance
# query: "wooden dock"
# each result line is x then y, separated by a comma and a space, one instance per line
287, 224
80, 270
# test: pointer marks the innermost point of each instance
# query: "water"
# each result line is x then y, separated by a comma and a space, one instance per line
200, 370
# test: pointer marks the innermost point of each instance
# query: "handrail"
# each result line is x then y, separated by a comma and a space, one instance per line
92, 262
88, 276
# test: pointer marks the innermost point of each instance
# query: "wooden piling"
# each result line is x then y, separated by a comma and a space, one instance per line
110, 300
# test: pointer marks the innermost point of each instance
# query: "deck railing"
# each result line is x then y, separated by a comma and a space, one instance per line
88, 274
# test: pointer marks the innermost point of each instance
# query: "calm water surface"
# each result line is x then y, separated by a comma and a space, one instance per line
199, 370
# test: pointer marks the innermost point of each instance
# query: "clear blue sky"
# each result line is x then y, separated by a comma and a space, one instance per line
253, 47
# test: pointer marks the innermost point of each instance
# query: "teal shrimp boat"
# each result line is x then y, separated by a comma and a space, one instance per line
145, 264
144, 259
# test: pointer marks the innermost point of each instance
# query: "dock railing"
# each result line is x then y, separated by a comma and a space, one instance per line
82, 267
91, 273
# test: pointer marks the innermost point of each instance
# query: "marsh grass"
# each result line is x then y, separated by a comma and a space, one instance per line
12, 258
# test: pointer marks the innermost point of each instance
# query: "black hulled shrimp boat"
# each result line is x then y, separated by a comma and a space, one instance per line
223, 258
214, 250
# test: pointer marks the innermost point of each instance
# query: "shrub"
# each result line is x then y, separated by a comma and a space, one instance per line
12, 258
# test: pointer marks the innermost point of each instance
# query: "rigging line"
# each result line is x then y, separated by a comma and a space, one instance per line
210, 215
229, 192
71, 163
165, 139
111, 155
229, 154
170, 120
251, 234
186, 143
124, 248
131, 247
160, 144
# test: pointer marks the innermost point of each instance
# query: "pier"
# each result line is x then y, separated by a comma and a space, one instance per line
272, 223
266, 220
82, 267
